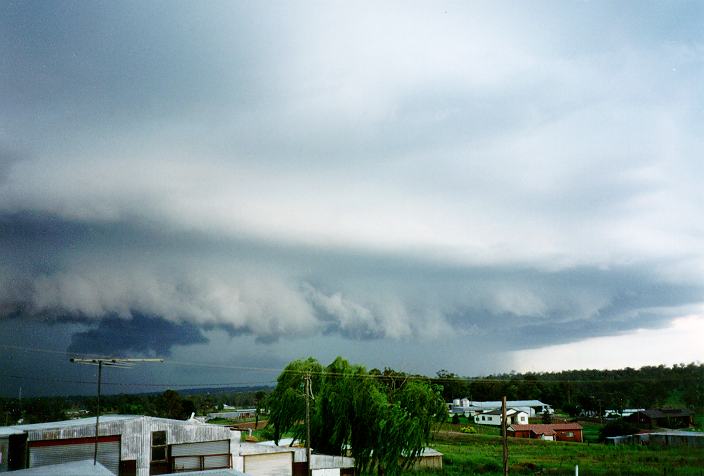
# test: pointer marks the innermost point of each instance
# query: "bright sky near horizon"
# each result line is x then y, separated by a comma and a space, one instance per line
472, 186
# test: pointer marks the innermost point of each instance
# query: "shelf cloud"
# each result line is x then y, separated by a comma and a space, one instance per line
430, 174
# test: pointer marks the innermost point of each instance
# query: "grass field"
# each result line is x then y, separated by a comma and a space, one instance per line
467, 454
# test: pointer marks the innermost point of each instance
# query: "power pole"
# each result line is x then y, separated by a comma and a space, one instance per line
308, 395
97, 413
111, 362
503, 434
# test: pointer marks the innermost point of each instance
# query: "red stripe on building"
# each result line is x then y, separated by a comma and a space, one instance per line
74, 441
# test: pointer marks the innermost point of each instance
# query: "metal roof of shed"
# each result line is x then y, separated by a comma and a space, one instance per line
51, 425
509, 403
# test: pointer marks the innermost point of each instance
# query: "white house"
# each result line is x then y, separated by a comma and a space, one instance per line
493, 417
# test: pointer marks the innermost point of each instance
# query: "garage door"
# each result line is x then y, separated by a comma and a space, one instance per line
269, 464
42, 453
327, 472
200, 456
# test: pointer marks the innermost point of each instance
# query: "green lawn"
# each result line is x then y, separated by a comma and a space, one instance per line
699, 422
482, 454
591, 431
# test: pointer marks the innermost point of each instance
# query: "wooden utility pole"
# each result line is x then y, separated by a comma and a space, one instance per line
503, 434
112, 362
308, 395
97, 414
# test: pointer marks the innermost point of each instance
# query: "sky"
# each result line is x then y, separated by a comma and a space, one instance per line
479, 187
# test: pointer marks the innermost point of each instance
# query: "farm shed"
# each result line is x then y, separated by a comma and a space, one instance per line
662, 417
127, 444
690, 439
429, 459
553, 432
321, 464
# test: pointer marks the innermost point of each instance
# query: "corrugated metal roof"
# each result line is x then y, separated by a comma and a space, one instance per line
509, 403
282, 442
666, 412
8, 430
55, 425
427, 451
90, 421
497, 411
696, 434
542, 428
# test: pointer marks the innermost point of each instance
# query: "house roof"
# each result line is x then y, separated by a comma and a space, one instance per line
510, 403
90, 422
428, 451
497, 411
546, 429
69, 423
666, 412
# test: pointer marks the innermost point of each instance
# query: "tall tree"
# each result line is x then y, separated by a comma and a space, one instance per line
384, 425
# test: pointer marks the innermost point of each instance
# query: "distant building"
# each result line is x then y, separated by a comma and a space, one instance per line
470, 408
429, 458
622, 413
493, 417
662, 418
234, 414
691, 439
552, 432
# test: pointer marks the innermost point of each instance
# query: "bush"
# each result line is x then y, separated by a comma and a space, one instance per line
468, 429
617, 428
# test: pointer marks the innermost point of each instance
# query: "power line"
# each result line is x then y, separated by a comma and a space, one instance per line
133, 384
381, 376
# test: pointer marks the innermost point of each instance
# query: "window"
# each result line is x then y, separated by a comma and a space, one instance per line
483, 418
569, 434
158, 446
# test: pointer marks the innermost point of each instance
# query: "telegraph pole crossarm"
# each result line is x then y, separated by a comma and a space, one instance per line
110, 362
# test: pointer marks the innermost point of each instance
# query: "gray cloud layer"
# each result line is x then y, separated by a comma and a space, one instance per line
376, 173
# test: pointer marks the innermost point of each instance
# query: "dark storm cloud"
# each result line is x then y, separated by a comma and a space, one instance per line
98, 271
396, 175
146, 335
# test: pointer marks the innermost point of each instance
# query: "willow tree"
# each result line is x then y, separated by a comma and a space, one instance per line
287, 406
384, 429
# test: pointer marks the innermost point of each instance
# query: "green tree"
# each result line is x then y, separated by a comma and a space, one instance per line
259, 399
287, 407
171, 405
385, 423
546, 417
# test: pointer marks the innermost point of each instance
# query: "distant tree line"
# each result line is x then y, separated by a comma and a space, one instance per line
169, 404
573, 391
576, 391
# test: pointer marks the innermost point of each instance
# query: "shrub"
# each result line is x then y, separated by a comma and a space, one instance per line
617, 428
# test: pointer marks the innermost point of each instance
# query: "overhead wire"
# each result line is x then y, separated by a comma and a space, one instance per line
325, 372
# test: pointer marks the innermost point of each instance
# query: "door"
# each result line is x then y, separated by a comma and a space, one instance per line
46, 452
269, 464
